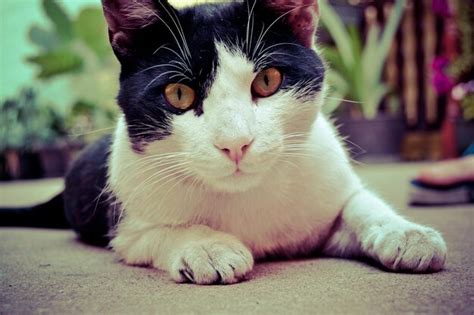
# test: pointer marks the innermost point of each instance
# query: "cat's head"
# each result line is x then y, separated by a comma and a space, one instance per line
224, 89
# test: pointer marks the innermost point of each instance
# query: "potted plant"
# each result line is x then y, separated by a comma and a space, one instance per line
463, 93
27, 129
43, 135
75, 49
462, 70
37, 141
356, 86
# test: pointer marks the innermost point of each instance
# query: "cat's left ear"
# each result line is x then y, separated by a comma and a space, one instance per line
125, 18
301, 15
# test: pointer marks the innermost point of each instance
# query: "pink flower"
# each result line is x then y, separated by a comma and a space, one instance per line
441, 8
440, 63
441, 81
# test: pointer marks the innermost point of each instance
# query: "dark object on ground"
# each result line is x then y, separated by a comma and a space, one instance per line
422, 194
373, 139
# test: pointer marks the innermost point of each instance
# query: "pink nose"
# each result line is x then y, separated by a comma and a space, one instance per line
236, 148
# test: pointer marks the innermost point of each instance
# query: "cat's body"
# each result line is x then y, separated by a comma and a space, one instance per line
291, 212
202, 190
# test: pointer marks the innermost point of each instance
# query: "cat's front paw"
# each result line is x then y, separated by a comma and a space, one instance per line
410, 248
211, 261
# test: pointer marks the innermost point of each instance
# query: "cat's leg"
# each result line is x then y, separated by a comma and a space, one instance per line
368, 227
193, 253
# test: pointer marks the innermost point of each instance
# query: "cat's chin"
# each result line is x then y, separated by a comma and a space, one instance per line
235, 183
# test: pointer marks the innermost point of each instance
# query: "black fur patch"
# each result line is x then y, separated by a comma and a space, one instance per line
157, 60
88, 204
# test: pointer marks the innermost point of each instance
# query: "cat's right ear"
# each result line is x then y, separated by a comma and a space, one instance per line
126, 17
301, 15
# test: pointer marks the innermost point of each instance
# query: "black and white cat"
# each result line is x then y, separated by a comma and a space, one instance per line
222, 157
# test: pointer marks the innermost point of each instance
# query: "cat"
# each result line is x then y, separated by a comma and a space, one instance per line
221, 156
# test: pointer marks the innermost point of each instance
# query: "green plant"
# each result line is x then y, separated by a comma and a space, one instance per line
467, 105
76, 49
66, 47
26, 122
357, 67
463, 67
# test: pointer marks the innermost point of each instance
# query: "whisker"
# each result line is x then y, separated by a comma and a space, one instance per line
160, 66
343, 100
179, 27
90, 132
159, 76
171, 31
169, 171
179, 180
275, 21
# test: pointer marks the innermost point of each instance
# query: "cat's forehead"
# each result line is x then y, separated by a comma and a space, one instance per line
186, 49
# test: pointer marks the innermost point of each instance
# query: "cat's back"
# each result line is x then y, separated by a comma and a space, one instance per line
86, 199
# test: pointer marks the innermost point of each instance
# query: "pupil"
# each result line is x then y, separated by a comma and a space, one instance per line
266, 80
180, 94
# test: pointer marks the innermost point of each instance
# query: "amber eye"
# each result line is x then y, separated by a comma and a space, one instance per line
179, 95
267, 82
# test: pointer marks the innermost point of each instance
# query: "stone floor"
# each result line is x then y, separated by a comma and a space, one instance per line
48, 271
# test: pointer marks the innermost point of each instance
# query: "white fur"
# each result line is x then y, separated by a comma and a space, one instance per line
200, 220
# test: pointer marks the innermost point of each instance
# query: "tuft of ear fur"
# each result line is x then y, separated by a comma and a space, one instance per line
124, 17
301, 15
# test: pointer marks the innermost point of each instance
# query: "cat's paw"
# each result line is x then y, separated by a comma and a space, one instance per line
410, 248
211, 261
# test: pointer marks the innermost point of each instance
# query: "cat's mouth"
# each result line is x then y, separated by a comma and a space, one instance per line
238, 177
237, 180
237, 173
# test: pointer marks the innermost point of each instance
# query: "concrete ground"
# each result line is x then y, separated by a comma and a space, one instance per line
48, 271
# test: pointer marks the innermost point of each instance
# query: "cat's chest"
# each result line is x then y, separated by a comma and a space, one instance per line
279, 223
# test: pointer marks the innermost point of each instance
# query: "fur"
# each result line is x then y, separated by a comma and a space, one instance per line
181, 205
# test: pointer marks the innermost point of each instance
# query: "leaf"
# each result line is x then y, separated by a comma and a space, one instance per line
388, 35
372, 103
61, 21
369, 55
43, 38
360, 66
337, 82
356, 41
333, 57
338, 88
339, 34
82, 107
91, 29
332, 102
56, 62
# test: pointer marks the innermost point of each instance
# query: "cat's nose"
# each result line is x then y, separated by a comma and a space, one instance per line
236, 148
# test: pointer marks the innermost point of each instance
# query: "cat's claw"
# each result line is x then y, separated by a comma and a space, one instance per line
211, 262
409, 249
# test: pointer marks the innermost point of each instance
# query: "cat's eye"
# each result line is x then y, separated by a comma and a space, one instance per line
267, 82
180, 96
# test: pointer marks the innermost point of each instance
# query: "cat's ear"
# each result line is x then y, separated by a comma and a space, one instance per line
301, 15
126, 17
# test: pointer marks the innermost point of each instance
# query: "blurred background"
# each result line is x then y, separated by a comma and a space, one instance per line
401, 80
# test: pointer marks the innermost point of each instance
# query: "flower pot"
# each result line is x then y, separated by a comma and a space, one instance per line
464, 134
54, 160
4, 172
377, 139
22, 165
40, 162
